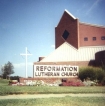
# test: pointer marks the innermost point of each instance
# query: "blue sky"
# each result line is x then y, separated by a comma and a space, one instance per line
31, 24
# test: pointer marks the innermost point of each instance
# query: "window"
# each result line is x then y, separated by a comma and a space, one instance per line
65, 35
103, 38
85, 39
94, 38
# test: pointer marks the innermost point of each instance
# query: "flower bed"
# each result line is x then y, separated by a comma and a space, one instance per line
72, 82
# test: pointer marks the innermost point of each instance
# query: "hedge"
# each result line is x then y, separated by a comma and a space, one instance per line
93, 73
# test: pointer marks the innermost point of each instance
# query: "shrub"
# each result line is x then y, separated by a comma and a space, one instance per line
103, 81
100, 74
87, 72
91, 72
72, 82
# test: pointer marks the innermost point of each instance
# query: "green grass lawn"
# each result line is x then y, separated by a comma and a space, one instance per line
5, 89
64, 101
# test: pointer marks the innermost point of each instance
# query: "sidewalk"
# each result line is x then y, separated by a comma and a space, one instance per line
49, 95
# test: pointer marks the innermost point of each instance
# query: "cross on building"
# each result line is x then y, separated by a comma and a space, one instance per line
26, 54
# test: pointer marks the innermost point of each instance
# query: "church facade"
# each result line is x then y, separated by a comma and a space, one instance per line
76, 43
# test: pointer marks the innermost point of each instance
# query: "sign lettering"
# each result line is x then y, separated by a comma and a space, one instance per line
55, 71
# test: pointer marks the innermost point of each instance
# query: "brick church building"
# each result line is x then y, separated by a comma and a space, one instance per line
76, 43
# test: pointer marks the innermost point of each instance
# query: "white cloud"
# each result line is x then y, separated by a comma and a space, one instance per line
93, 6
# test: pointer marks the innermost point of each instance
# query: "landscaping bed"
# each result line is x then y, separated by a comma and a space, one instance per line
9, 90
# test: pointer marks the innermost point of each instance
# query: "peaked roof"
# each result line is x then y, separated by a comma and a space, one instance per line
66, 11
67, 52
70, 14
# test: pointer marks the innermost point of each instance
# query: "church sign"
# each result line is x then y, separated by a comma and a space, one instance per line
55, 71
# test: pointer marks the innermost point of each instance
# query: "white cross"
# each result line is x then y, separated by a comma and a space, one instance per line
26, 54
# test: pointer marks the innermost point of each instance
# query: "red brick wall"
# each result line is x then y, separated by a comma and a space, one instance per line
90, 32
69, 24
77, 32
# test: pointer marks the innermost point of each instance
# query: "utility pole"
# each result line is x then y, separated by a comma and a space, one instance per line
26, 54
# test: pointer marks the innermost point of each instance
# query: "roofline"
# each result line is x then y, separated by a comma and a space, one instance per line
94, 25
70, 14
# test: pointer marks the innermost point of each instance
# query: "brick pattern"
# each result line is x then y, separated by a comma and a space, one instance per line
78, 31
69, 24
90, 31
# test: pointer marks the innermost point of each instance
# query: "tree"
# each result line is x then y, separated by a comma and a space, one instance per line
0, 71
7, 69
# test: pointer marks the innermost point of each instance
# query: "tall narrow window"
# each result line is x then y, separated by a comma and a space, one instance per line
85, 39
65, 35
94, 38
103, 38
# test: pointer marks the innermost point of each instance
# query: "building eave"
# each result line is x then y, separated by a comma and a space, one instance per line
94, 25
70, 14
